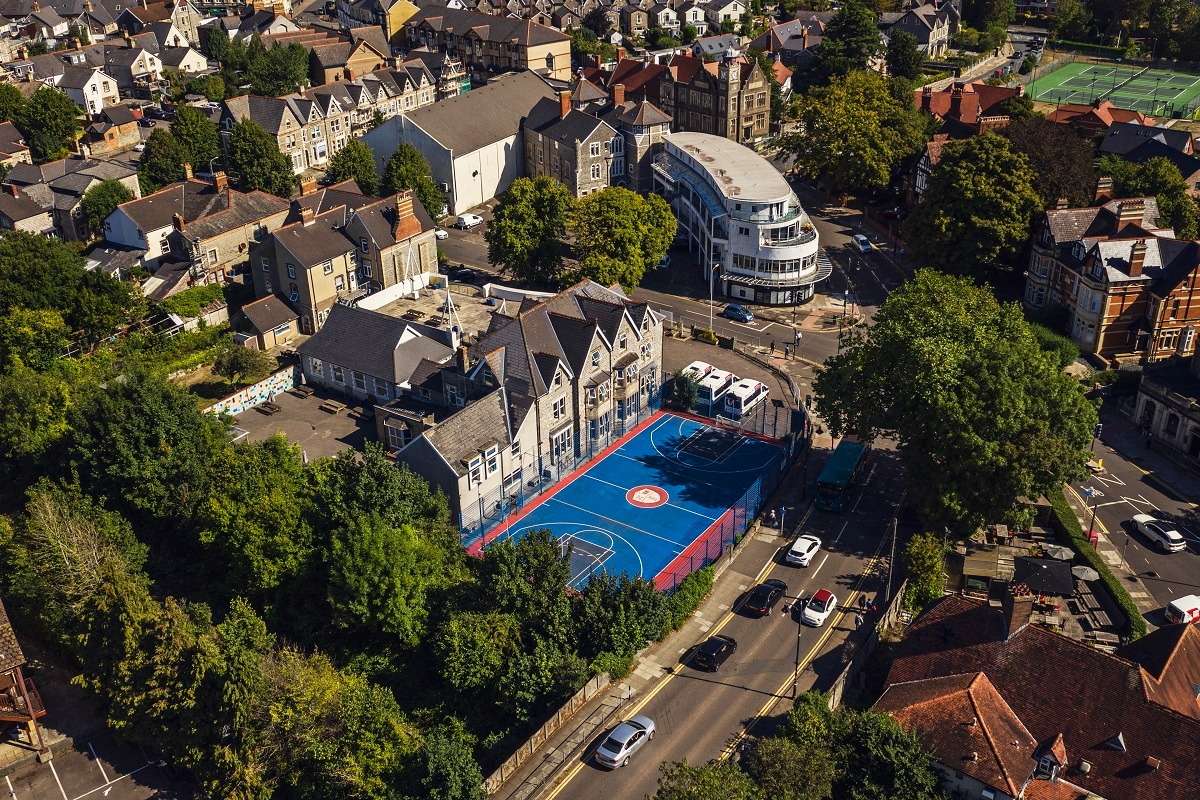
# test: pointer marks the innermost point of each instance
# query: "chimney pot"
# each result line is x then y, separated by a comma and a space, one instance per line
620, 54
1104, 187
1017, 604
177, 222
564, 104
307, 188
187, 171
1130, 211
307, 214
463, 360
220, 181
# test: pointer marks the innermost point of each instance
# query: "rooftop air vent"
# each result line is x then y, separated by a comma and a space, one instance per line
1085, 767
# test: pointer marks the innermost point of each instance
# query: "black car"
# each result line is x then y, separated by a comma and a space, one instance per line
713, 653
764, 597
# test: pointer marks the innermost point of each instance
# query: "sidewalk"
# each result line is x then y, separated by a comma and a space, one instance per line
739, 568
1121, 434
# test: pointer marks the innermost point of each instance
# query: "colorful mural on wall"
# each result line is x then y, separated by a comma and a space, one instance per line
257, 394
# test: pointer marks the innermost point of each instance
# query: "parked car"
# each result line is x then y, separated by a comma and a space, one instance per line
146, 122
861, 242
625, 740
737, 314
896, 212
466, 275
818, 608
802, 550
764, 597
439, 234
1164, 536
468, 221
140, 146
715, 651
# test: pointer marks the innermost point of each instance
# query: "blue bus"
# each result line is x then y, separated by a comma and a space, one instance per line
839, 474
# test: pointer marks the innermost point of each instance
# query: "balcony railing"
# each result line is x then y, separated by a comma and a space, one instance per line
13, 707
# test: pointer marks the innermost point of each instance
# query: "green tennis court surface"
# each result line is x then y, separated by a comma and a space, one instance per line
1152, 91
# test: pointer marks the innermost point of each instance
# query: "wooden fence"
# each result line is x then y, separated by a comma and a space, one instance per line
531, 745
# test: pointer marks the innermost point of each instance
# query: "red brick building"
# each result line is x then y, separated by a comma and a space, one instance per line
968, 109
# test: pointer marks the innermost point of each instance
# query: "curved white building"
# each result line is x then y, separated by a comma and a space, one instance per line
742, 217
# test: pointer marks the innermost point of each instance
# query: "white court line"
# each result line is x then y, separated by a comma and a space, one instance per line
98, 764
672, 505
813, 574
56, 780
843, 530
615, 521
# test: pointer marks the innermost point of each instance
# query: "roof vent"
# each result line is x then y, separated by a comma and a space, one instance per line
1085, 767
974, 756
1116, 743
1153, 763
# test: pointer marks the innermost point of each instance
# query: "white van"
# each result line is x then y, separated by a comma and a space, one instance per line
697, 370
1183, 609
468, 221
744, 397
713, 387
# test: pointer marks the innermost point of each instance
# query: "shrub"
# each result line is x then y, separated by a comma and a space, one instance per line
618, 667
190, 302
705, 335
1052, 342
1067, 525
687, 598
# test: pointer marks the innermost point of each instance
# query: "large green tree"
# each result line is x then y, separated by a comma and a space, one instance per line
851, 42
924, 563
620, 234
197, 136
976, 211
527, 229
356, 162
49, 120
11, 101
278, 71
1158, 178
237, 363
980, 411
904, 57
716, 780
854, 133
255, 160
1061, 160
162, 161
100, 201
407, 169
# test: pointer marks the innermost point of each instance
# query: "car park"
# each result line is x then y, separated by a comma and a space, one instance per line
714, 652
468, 221
802, 550
861, 242
737, 314
764, 597
439, 234
625, 740
1162, 534
818, 608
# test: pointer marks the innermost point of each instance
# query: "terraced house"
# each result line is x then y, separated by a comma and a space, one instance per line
491, 45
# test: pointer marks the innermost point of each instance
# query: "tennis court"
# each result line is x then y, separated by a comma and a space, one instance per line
661, 503
1152, 91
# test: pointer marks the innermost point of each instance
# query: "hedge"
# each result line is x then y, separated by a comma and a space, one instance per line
1067, 525
687, 597
1053, 342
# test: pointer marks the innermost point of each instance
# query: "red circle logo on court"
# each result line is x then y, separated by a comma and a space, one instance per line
647, 496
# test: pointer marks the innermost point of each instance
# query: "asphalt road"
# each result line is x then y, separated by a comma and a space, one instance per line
1127, 489
701, 715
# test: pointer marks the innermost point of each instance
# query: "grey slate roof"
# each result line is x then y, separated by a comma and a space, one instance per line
316, 241
717, 45
240, 210
76, 77
571, 129
367, 342
345, 194
20, 207
379, 218
463, 434
483, 116
1072, 224
489, 28
268, 313
193, 200
1124, 137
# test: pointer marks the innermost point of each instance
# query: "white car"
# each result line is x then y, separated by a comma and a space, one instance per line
803, 549
818, 608
439, 234
626, 739
861, 242
1162, 534
140, 147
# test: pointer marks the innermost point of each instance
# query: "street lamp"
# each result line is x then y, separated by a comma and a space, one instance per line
716, 267
845, 301
1088, 494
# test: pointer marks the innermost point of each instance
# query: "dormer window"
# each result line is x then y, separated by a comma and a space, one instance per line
1078, 250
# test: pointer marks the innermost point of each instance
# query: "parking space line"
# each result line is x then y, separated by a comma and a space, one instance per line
11, 792
108, 786
96, 758
56, 780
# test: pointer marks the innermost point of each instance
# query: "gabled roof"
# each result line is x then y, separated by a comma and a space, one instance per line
268, 113
268, 313
572, 129
1068, 225
1123, 137
375, 344
11, 656
240, 209
15, 205
1169, 658
719, 44
462, 435
76, 77
1101, 113
11, 140
194, 201
345, 195
638, 113
486, 27
318, 240
387, 226
967, 102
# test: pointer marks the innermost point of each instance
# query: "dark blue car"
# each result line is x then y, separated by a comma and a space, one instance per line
737, 314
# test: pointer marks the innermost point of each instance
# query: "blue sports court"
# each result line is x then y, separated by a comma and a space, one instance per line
661, 502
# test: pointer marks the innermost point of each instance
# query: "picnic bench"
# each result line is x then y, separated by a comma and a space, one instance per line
333, 406
303, 391
270, 408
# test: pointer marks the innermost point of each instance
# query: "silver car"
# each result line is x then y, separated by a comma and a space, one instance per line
626, 739
1162, 534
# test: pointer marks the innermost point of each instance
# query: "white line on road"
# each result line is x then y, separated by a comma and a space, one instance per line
844, 524
813, 574
98, 764
11, 792
107, 788
56, 780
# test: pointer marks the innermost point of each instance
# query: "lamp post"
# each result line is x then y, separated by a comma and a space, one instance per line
796, 672
711, 276
845, 301
1088, 494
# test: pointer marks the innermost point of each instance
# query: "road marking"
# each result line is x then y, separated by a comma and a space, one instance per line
98, 764
1111, 480
813, 574
108, 787
844, 524
56, 780
11, 792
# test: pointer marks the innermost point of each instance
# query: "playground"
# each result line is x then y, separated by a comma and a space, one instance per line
1159, 93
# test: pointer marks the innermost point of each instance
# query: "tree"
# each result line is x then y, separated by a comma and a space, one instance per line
217, 46
884, 760
49, 122
101, 200
255, 159
597, 22
1072, 19
1061, 160
688, 34
686, 390
278, 71
473, 648
81, 33
926, 373
451, 771
989, 14
1020, 108
236, 361
852, 41
355, 161
11, 101
620, 234
211, 86
33, 337
197, 136
925, 568
162, 160
784, 770
854, 133
527, 229
408, 169
904, 57
716, 780
976, 211
33, 417
1159, 178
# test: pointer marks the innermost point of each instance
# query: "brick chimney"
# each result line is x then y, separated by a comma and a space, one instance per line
187, 171
307, 214
220, 181
1104, 188
307, 188
406, 223
618, 92
564, 104
1137, 258
128, 39
1062, 202
804, 38
620, 54
12, 189
1130, 212
35, 7
462, 360
1017, 605
349, 74
177, 222
956, 95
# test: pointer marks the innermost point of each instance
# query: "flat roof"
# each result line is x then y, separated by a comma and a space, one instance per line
739, 172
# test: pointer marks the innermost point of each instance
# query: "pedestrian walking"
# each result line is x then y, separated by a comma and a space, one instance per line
772, 518
862, 602
858, 621
787, 353
772, 347
872, 608
1149, 439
